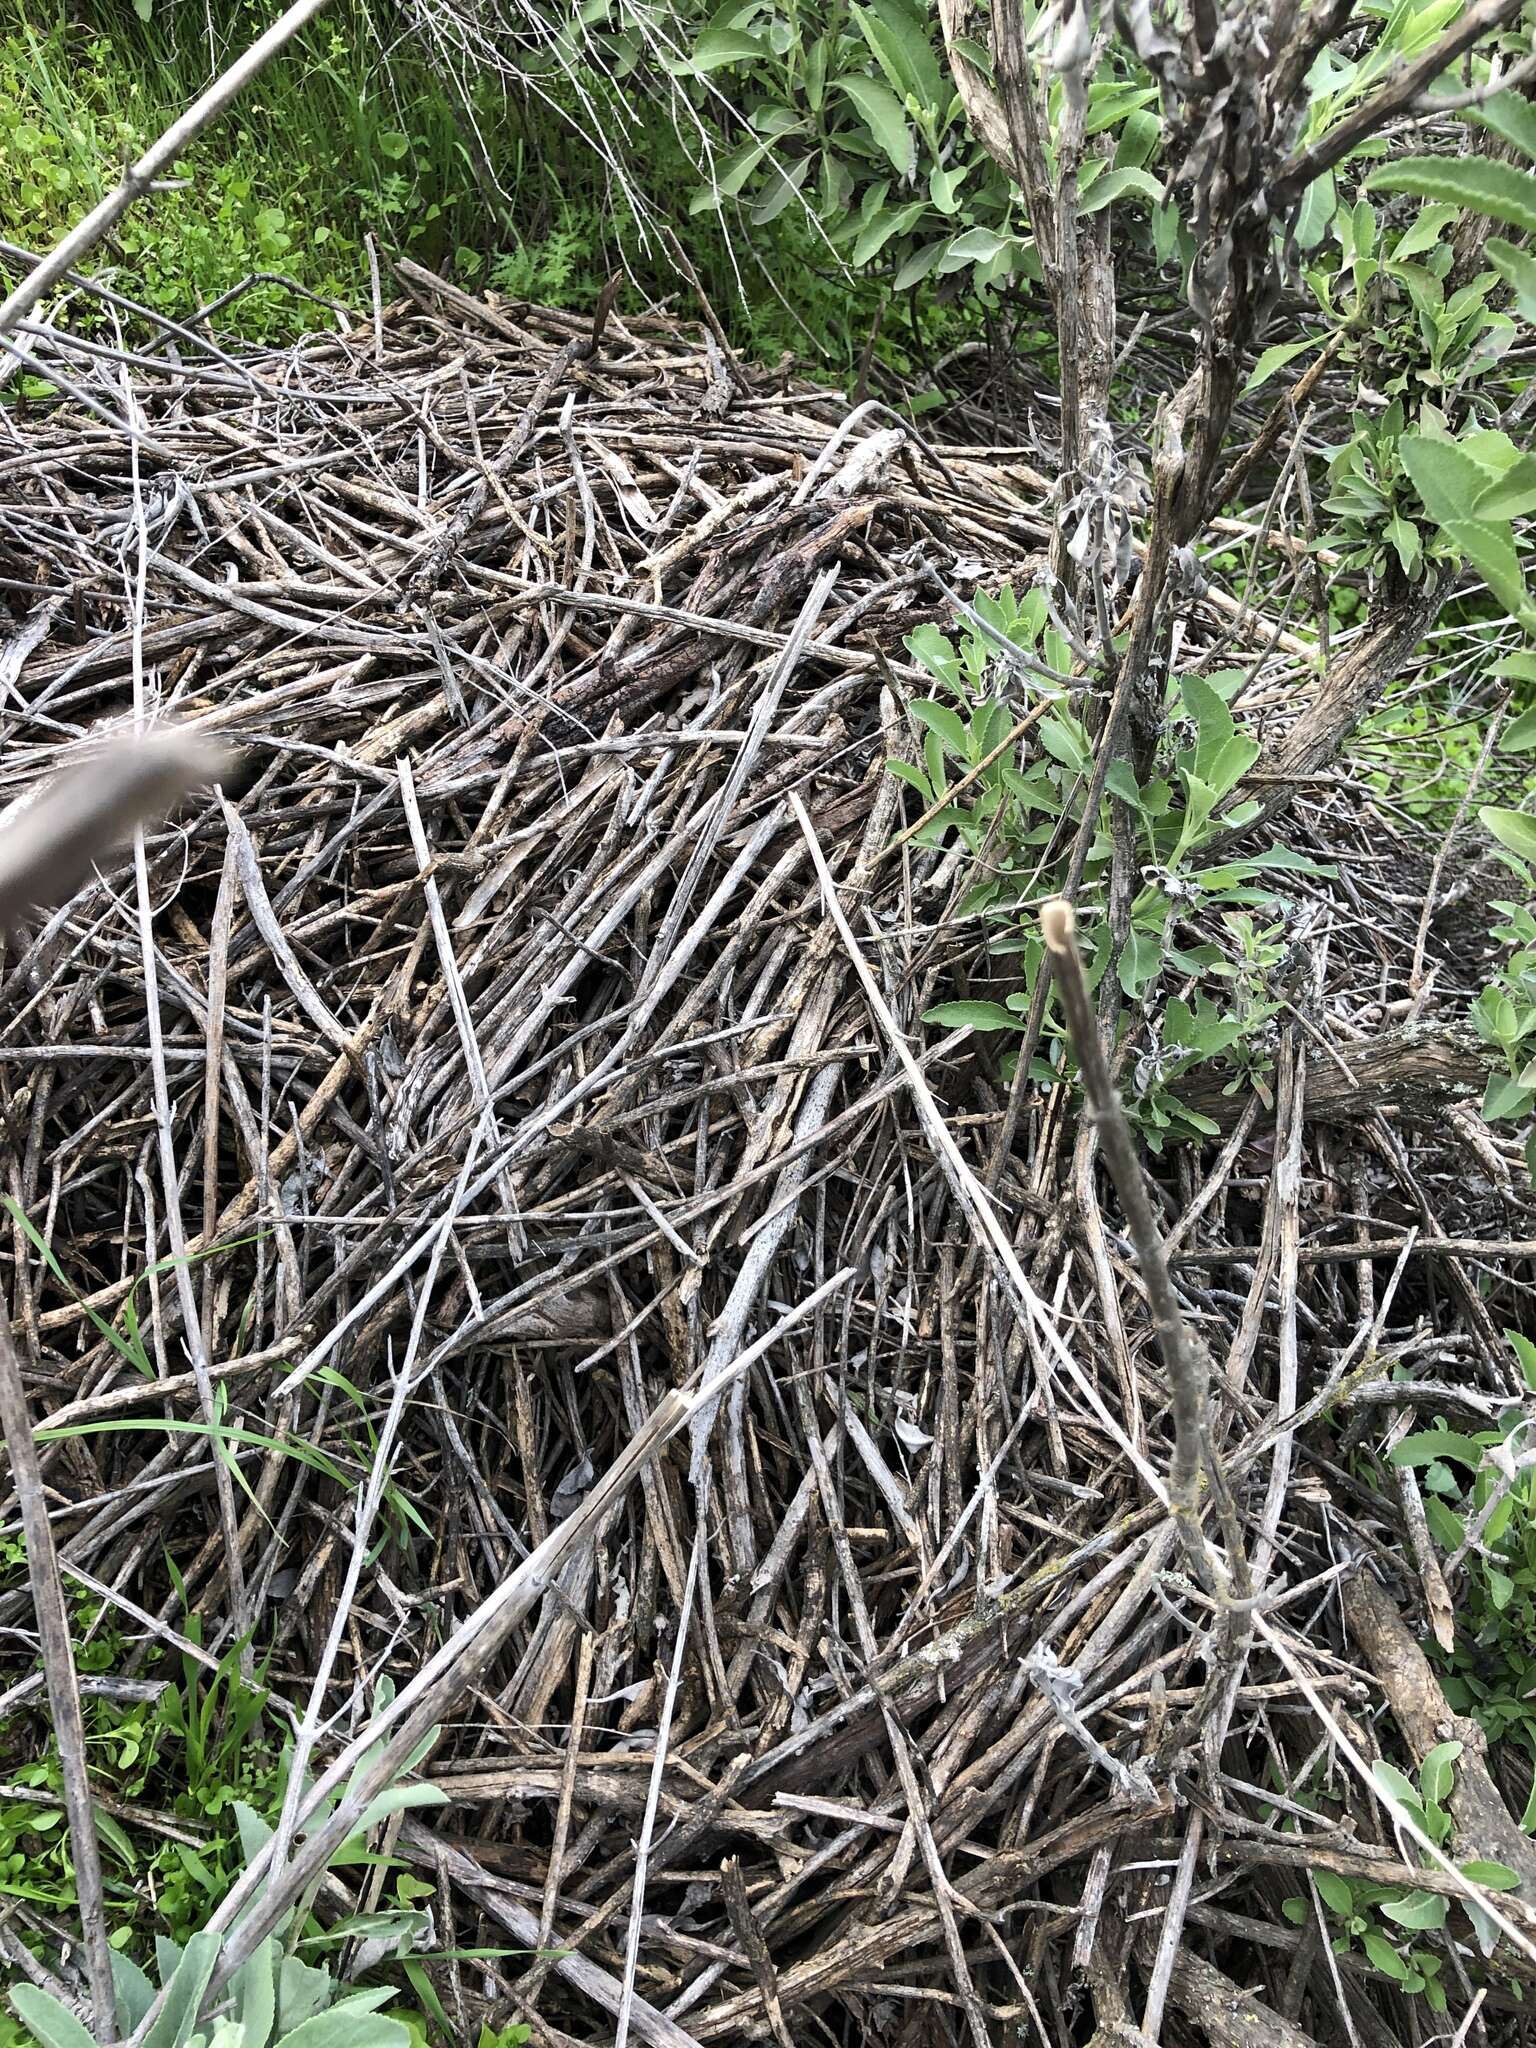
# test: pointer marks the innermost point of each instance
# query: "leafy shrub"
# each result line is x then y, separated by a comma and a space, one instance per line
850, 113
1215, 923
1480, 1503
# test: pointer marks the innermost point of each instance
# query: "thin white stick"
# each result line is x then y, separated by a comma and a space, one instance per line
159, 157
653, 1798
197, 1350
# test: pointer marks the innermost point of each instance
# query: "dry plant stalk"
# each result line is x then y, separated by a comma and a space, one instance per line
1185, 1358
47, 847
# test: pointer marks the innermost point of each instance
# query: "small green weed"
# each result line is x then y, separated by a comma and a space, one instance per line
188, 1755
1505, 1013
198, 1779
1212, 928
1480, 1502
1382, 1918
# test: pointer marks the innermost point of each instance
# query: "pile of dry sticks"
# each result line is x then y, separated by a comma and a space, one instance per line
498, 1129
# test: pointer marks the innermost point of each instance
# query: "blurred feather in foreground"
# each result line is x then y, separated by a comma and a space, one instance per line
50, 838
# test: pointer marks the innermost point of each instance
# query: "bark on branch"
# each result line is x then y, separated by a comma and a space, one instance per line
1417, 1071
1484, 1825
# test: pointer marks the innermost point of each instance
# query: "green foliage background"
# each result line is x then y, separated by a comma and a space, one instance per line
364, 131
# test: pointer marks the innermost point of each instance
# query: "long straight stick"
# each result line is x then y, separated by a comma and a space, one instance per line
59, 1673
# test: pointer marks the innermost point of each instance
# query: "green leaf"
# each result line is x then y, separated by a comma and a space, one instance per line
133, 1992
1450, 482
779, 188
1525, 1351
1273, 359
1520, 737
1505, 1097
1436, 1775
1222, 754
1141, 957
1063, 739
1496, 1018
1426, 1447
918, 265
1121, 782
398, 1799
914, 777
718, 47
347, 2030
944, 188
184, 1993
902, 51
949, 726
1512, 495
885, 118
1514, 829
1404, 536
877, 232
977, 55
1493, 1877
394, 1925
116, 1837
394, 145
1138, 142
371, 2000
1427, 232
1511, 115
733, 170
1113, 185
974, 1016
1478, 183
1385, 1957
254, 1987
1417, 1909
1448, 1529
54, 2025
1319, 204
976, 245
1483, 1926
936, 652
1517, 267
1400, 1790
1110, 102
255, 1833
1297, 1911
1335, 1893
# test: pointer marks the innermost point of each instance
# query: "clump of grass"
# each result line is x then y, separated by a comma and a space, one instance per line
330, 148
